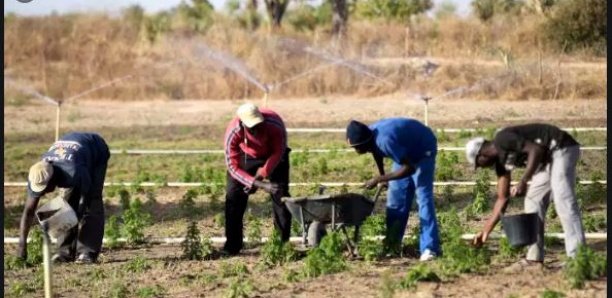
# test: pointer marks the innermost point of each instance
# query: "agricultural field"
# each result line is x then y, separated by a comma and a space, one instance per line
138, 269
173, 79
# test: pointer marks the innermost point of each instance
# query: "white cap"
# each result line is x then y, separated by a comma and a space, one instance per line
249, 114
472, 148
39, 175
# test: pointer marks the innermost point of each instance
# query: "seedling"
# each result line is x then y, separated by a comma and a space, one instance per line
420, 272
327, 258
138, 265
112, 232
124, 198
35, 253
551, 294
240, 288
253, 232
237, 269
276, 253
219, 220
134, 221
146, 292
192, 245
187, 204
586, 265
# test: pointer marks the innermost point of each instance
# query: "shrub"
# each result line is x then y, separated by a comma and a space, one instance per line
134, 222
275, 252
192, 245
586, 265
577, 24
327, 258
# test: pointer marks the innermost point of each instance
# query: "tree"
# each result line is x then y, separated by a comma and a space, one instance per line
339, 17
392, 9
276, 9
486, 9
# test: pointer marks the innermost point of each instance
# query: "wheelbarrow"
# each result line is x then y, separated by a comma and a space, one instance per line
340, 211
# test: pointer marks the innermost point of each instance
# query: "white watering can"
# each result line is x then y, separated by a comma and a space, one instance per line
57, 217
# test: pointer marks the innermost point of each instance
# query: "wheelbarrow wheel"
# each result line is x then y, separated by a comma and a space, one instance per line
316, 231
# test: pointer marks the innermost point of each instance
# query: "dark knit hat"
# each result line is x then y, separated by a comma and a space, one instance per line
358, 133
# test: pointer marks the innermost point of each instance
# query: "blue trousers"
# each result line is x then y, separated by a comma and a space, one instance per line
399, 202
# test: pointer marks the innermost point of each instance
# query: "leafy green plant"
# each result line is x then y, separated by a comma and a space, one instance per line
12, 262
370, 249
420, 272
134, 221
253, 232
124, 199
19, 288
586, 265
118, 290
327, 258
551, 294
459, 256
97, 274
35, 247
507, 251
480, 205
239, 288
275, 252
138, 265
595, 223
238, 269
291, 275
219, 220
187, 204
112, 232
192, 245
445, 166
146, 292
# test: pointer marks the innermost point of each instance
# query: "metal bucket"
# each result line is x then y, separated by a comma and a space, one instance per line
57, 217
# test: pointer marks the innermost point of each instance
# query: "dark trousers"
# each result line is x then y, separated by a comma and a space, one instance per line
236, 202
87, 236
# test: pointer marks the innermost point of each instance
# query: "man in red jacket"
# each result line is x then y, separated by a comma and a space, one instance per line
255, 150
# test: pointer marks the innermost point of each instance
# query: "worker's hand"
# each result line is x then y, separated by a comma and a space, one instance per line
480, 238
372, 183
384, 185
519, 189
258, 175
269, 187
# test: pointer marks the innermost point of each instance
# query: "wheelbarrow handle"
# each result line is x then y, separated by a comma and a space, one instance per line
377, 194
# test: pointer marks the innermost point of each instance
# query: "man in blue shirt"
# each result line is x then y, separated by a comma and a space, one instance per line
76, 164
412, 146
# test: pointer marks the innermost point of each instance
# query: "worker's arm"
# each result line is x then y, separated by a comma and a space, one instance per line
535, 155
24, 226
503, 185
405, 170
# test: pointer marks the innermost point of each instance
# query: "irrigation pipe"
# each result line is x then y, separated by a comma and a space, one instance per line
219, 151
218, 240
329, 184
449, 130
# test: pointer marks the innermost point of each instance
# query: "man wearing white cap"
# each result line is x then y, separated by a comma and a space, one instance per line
76, 164
255, 150
550, 156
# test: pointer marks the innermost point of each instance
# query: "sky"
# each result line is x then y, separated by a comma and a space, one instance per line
44, 7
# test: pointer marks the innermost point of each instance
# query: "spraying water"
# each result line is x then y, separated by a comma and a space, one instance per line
230, 62
295, 45
31, 91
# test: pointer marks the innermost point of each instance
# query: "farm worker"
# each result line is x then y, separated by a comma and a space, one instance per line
255, 150
550, 156
76, 164
412, 147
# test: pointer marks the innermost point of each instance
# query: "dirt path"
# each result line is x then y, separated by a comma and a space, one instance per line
309, 112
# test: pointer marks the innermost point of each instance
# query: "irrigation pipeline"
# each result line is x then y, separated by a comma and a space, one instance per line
220, 240
449, 130
219, 151
328, 184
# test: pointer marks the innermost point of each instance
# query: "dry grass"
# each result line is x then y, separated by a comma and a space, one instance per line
65, 55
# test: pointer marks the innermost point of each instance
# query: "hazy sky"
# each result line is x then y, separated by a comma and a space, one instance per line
42, 7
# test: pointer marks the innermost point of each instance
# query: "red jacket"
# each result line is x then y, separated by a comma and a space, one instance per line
270, 144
